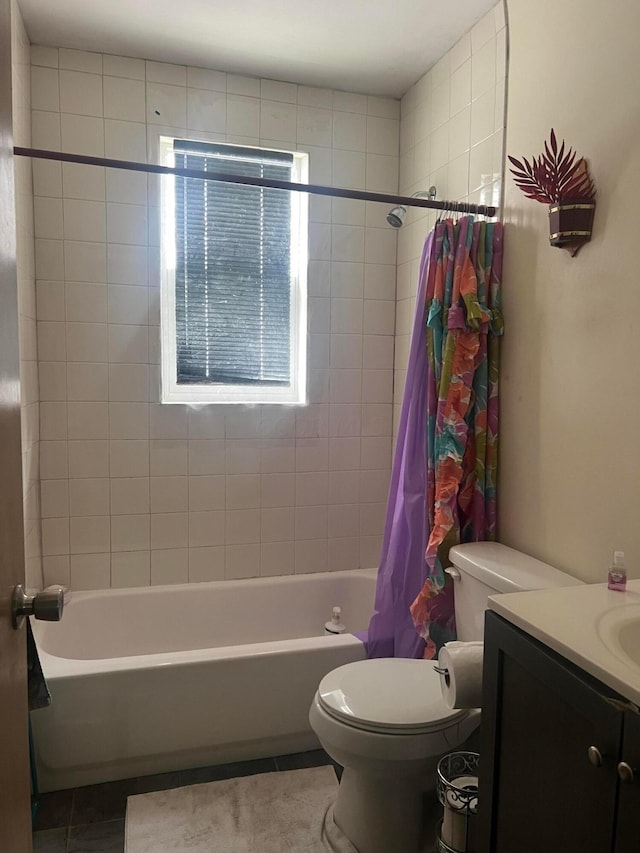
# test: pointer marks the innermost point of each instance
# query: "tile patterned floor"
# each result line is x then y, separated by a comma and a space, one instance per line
91, 819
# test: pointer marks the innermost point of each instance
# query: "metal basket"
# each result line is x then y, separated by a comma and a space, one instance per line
458, 792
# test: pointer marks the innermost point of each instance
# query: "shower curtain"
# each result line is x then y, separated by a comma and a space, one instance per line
443, 482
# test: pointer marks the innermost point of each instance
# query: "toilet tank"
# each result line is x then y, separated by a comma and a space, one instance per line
481, 569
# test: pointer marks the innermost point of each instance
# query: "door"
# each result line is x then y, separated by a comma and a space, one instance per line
15, 815
628, 827
549, 753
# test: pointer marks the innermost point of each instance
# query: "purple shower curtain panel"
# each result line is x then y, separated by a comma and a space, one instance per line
402, 570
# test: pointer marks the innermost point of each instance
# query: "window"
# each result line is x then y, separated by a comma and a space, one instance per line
234, 277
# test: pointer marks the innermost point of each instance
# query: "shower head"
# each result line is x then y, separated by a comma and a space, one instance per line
396, 215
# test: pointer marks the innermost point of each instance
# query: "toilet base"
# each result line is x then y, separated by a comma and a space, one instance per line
380, 814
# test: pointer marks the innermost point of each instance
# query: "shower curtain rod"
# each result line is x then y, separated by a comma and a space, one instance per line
315, 189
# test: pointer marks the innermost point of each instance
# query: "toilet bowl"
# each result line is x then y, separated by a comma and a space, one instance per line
385, 722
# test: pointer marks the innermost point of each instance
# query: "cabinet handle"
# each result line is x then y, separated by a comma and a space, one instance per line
625, 772
595, 756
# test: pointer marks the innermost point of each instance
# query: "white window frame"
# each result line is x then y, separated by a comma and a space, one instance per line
294, 394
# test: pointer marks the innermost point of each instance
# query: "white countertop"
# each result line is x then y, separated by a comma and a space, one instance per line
581, 623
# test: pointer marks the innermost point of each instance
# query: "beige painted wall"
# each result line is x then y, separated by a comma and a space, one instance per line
571, 372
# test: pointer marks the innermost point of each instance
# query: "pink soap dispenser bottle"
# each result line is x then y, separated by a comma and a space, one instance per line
617, 577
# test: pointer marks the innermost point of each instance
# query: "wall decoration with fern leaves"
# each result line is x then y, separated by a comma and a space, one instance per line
563, 182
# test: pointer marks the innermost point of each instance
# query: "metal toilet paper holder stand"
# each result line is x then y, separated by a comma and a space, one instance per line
457, 790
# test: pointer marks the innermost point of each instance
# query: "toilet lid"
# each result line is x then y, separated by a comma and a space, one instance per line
387, 694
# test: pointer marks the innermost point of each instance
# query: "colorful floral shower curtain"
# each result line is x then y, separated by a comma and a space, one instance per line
443, 483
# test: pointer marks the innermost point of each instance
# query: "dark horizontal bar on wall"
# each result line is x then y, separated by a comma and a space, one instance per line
314, 189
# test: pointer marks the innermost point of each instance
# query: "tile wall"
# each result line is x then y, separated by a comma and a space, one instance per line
30, 414
136, 493
451, 135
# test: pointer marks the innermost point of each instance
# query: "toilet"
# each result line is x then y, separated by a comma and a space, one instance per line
384, 720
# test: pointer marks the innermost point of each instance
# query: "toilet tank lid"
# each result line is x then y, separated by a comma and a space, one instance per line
504, 569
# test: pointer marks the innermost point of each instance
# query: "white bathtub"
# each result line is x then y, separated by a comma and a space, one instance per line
166, 678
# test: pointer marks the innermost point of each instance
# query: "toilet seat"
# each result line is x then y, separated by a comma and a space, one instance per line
393, 696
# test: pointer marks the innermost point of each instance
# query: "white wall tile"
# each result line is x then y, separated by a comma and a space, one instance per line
166, 104
89, 535
278, 489
274, 90
130, 568
129, 458
382, 173
123, 66
130, 532
170, 566
349, 102
89, 496
82, 135
55, 536
53, 421
482, 116
243, 115
83, 182
80, 60
382, 135
125, 140
88, 420
87, 342
52, 341
483, 68
311, 556
204, 78
87, 381
45, 130
44, 56
277, 120
483, 31
89, 571
84, 261
169, 494
130, 495
44, 89
124, 99
206, 564
54, 498
315, 126
88, 458
47, 178
207, 493
205, 111
80, 93
167, 457
237, 84
276, 558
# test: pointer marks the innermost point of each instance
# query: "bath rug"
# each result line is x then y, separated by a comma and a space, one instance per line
265, 813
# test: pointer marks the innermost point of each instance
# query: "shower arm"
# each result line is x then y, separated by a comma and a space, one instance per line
270, 183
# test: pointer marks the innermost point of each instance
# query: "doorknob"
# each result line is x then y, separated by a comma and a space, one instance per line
595, 756
47, 604
625, 772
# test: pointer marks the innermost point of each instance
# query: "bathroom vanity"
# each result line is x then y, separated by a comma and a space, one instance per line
560, 753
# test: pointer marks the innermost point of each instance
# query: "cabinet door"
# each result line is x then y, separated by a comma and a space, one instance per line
628, 829
538, 789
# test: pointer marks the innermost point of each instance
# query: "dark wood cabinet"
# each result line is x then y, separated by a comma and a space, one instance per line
553, 738
628, 822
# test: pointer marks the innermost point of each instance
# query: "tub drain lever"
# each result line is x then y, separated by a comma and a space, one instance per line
47, 605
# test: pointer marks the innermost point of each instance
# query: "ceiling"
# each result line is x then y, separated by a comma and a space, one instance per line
374, 46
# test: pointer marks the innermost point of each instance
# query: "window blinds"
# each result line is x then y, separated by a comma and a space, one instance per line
233, 268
